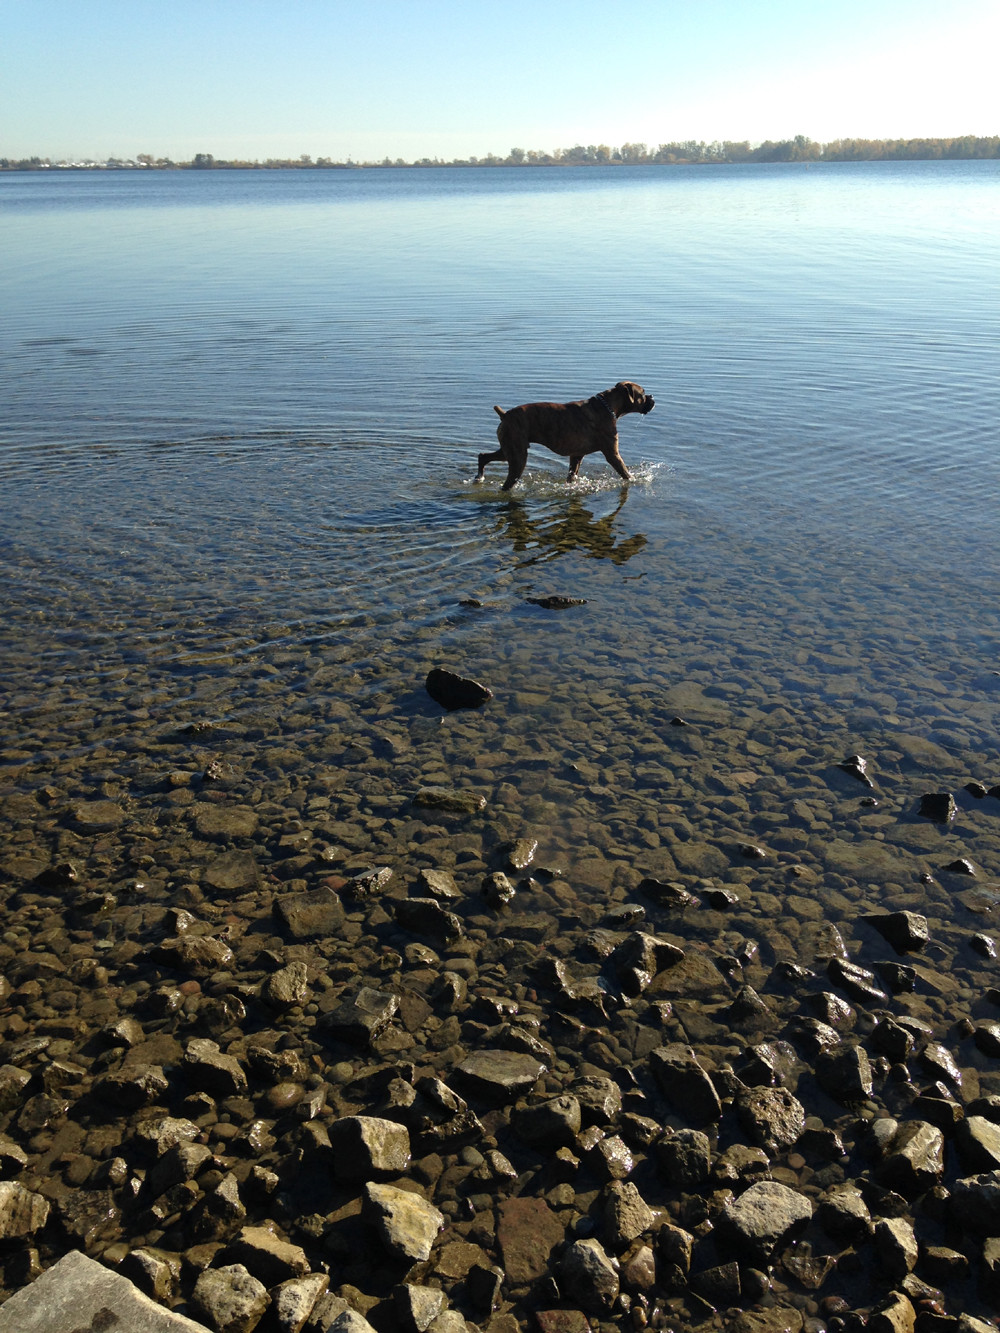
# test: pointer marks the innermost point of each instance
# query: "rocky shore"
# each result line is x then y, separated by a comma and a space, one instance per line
303, 1041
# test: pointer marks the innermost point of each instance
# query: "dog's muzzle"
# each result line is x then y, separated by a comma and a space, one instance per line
647, 407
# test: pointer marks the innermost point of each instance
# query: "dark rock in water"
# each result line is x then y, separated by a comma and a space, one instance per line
310, 915
857, 768
368, 883
451, 802
891, 1039
905, 931
552, 1124
748, 1007
498, 1076
897, 976
58, 876
685, 1083
426, 916
791, 975
984, 945
719, 1286
556, 603
679, 722
813, 1035
638, 959
845, 1073
772, 1117
521, 853
497, 890
832, 1009
625, 916
667, 893
766, 1217
915, 1159
600, 1099
721, 900
452, 691
751, 852
939, 1062
859, 984
473, 602
939, 806
963, 866
869, 802
685, 1158
359, 1021
976, 789
987, 1038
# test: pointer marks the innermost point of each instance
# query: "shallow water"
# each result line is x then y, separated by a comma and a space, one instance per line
242, 413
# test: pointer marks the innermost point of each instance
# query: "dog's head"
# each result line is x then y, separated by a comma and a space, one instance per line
627, 397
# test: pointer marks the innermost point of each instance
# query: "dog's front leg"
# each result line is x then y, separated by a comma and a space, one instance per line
615, 459
574, 467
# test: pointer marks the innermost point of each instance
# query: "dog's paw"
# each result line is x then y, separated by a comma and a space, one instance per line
478, 481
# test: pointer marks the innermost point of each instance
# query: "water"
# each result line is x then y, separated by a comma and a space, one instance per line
241, 414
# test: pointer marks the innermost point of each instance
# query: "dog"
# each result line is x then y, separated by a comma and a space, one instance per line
572, 430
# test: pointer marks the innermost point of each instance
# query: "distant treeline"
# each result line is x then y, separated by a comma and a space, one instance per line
690, 152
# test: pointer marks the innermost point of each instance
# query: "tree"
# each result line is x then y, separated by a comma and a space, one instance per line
516, 157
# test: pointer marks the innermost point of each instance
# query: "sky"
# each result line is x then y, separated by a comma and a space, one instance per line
451, 78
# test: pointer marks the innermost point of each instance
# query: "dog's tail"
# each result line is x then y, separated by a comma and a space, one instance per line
498, 410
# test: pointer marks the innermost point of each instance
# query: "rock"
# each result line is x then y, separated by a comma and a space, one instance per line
857, 767
978, 1143
527, 1232
365, 1147
452, 691
844, 1214
13, 1158
232, 872
150, 1274
685, 1158
685, 1083
767, 1217
893, 1315
562, 1321
986, 1037
97, 816
781, 1319
182, 1162
271, 1259
497, 890
942, 1265
859, 984
293, 1301
498, 1076
963, 866
896, 1247
893, 1040
225, 822
157, 1136
230, 1299
288, 986
451, 802
975, 1203
638, 959
363, 1019
22, 1213
748, 1008
438, 884
939, 806
772, 1117
449, 992
667, 893
906, 932
369, 883
611, 1159
310, 916
123, 1032
626, 1214
78, 1294
984, 945
521, 853
205, 1067
483, 1285
349, 1321
915, 1159
587, 1272
939, 1062
133, 1086
417, 1307
638, 1273
198, 955
600, 1099
220, 1213
720, 1286
406, 1223
845, 1073
13, 1082
426, 916
551, 1124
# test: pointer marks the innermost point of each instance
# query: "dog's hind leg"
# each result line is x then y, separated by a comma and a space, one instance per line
517, 461
574, 467
488, 458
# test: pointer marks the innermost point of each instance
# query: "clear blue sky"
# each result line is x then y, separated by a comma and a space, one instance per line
408, 78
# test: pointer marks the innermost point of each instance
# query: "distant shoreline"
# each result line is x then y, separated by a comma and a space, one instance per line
963, 148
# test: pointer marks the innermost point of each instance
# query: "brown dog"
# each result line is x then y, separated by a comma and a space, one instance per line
571, 430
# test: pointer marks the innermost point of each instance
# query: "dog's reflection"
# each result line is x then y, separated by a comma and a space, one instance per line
572, 527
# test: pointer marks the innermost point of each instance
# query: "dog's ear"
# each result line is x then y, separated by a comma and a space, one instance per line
629, 388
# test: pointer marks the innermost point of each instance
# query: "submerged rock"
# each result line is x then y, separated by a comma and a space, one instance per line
452, 691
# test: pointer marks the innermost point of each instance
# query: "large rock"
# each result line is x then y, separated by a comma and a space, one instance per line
286, 987
269, 1258
133, 1086
685, 1158
915, 1159
498, 1076
22, 1213
638, 959
626, 1214
772, 1117
975, 1203
224, 822
450, 801
97, 816
406, 1223
845, 1072
528, 1231
205, 1067
77, 1295
765, 1218
906, 932
310, 916
452, 691
426, 916
551, 1124
230, 1299
361, 1019
685, 1083
365, 1147
896, 1247
198, 955
978, 1141
294, 1300
587, 1273
232, 872
893, 1315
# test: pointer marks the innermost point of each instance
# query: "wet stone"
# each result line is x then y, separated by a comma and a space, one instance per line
684, 1158
638, 960
772, 1117
229, 1299
498, 1076
588, 1273
426, 916
293, 1301
271, 1259
859, 984
938, 806
439, 884
764, 1218
232, 872
366, 1147
978, 1143
368, 883
497, 890
362, 1019
906, 932
915, 1159
225, 822
845, 1073
315, 915
449, 801
551, 1124
452, 691
600, 1099
685, 1083
204, 1066
406, 1223
987, 1039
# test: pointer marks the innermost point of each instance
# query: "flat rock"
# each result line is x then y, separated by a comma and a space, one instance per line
693, 977
97, 816
452, 691
310, 916
528, 1231
763, 1219
232, 871
406, 1223
450, 801
225, 822
267, 1256
77, 1295
924, 754
363, 1018
864, 860
498, 1076
198, 955
685, 1083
